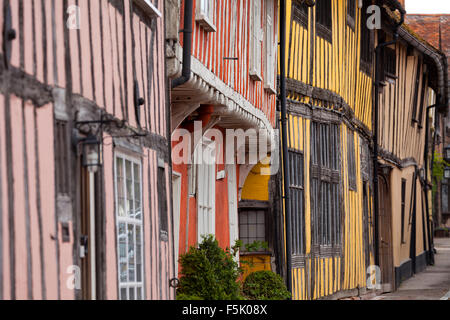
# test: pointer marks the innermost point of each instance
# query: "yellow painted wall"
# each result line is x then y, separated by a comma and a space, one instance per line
255, 263
336, 65
256, 186
336, 68
401, 251
328, 279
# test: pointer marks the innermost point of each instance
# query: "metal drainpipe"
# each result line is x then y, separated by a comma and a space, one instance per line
286, 180
378, 51
187, 45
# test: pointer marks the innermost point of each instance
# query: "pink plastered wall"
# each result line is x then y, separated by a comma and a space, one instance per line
99, 64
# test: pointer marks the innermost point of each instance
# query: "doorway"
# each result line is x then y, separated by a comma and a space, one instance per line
87, 243
385, 236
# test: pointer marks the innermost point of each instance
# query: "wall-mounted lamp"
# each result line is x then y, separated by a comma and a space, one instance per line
138, 102
447, 153
91, 151
9, 34
447, 173
422, 174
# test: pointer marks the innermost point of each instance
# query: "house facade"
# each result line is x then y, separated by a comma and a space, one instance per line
224, 106
329, 104
130, 130
351, 88
409, 100
84, 153
434, 28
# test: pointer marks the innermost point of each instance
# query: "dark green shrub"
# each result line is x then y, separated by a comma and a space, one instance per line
209, 273
265, 285
182, 296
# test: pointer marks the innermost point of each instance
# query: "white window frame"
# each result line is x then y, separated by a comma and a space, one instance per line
205, 160
232, 203
270, 49
149, 8
129, 221
256, 40
204, 14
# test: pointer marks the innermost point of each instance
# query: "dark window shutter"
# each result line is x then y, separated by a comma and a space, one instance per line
325, 186
416, 92
351, 160
162, 200
62, 159
324, 20
403, 209
296, 190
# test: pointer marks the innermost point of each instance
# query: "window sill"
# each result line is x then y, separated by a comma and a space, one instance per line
255, 253
205, 23
149, 8
326, 251
300, 17
366, 67
255, 76
323, 32
271, 90
351, 22
390, 78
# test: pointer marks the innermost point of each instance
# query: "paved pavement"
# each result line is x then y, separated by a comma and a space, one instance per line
431, 284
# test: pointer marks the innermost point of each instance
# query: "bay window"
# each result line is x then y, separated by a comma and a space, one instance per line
256, 41
271, 49
205, 14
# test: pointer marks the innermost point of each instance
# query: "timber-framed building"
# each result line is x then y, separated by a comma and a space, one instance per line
339, 225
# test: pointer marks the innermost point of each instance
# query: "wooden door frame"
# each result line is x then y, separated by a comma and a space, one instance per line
84, 212
89, 285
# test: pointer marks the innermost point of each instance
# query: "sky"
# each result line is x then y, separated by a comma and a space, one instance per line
428, 6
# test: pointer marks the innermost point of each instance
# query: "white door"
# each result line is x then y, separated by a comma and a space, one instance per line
205, 159
176, 187
232, 203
